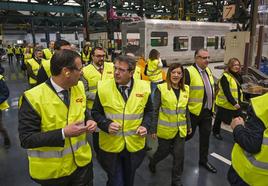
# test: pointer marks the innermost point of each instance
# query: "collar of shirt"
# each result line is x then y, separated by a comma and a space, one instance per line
97, 67
128, 85
199, 69
55, 86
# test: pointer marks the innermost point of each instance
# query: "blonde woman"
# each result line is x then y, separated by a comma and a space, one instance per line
229, 97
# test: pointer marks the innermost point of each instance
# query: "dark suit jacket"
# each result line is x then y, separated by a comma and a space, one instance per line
30, 128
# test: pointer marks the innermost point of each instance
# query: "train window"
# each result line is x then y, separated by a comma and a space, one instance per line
222, 42
197, 42
180, 43
213, 42
159, 39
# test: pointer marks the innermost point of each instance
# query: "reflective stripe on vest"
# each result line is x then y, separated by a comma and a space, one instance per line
124, 116
58, 161
128, 114
92, 75
56, 154
172, 112
221, 99
197, 89
253, 168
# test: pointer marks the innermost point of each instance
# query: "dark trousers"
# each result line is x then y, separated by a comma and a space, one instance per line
226, 116
95, 140
10, 59
82, 176
121, 167
174, 146
203, 121
3, 131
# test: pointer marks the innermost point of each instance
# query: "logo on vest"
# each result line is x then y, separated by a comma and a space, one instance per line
109, 72
79, 100
139, 95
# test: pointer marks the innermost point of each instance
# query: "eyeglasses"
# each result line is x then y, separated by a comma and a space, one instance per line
121, 70
204, 58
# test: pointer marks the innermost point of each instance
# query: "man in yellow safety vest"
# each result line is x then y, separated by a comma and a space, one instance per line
53, 123
123, 111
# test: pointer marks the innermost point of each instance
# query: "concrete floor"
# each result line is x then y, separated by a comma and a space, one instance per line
14, 164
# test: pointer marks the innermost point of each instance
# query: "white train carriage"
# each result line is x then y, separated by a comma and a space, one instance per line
176, 40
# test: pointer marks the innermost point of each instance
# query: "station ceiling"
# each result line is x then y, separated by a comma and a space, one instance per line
67, 15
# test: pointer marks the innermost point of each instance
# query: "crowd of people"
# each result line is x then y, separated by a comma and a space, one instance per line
73, 94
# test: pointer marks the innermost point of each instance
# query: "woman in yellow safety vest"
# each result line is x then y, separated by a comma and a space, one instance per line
154, 69
170, 102
229, 96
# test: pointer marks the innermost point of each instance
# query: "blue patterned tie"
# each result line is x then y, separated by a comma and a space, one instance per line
66, 97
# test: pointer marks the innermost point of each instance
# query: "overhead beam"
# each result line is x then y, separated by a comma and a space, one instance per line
36, 7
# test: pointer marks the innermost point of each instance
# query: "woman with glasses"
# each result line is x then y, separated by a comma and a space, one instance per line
229, 96
170, 101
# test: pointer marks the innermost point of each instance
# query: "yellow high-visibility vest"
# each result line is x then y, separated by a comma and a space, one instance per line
56, 162
253, 168
154, 73
46, 66
221, 99
85, 58
137, 73
197, 90
92, 75
129, 115
172, 112
4, 105
48, 53
10, 51
35, 67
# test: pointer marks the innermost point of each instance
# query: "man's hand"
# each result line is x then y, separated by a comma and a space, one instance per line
75, 129
114, 128
142, 131
91, 126
189, 131
237, 121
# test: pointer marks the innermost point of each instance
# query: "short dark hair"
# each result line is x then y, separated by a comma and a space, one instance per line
61, 59
198, 50
96, 48
60, 43
127, 59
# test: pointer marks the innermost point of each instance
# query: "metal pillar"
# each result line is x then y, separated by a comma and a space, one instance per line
85, 15
33, 32
110, 27
254, 16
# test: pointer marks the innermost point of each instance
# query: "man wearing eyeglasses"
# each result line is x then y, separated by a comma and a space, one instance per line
97, 70
123, 110
53, 123
200, 80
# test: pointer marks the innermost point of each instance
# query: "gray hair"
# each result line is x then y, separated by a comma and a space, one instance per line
129, 60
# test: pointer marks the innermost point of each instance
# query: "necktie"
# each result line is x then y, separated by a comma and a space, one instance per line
100, 70
65, 97
123, 91
207, 89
